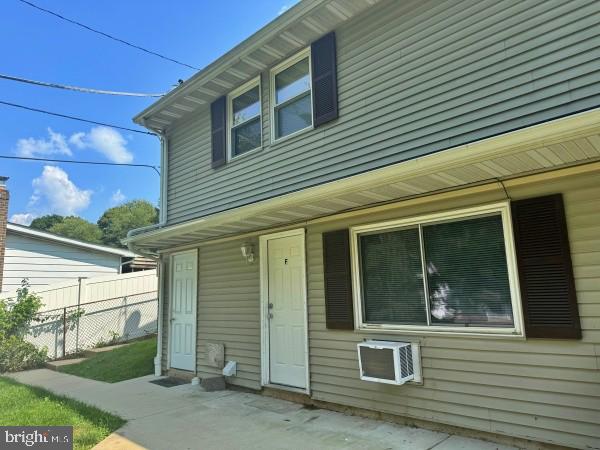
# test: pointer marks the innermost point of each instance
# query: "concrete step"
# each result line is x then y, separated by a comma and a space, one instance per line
54, 365
95, 351
181, 374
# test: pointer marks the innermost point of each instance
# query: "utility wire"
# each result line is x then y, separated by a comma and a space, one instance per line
76, 88
74, 22
75, 118
98, 163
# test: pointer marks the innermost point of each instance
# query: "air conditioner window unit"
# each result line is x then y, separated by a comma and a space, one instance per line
389, 362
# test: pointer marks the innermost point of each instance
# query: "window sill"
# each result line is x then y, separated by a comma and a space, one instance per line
456, 332
275, 142
236, 158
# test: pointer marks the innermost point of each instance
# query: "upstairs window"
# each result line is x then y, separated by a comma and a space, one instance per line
292, 96
245, 119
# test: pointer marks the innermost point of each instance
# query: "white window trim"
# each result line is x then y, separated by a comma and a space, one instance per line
280, 68
236, 93
504, 209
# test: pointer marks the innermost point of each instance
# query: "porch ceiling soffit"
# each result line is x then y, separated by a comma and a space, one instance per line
565, 142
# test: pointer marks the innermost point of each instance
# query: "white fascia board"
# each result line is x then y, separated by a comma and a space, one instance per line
23, 230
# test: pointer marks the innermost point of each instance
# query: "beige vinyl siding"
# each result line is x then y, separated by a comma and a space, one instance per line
229, 311
414, 77
536, 388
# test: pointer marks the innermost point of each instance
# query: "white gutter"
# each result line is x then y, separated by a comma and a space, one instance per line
572, 126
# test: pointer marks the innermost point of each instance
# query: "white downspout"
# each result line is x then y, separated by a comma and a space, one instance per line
161, 286
164, 173
162, 220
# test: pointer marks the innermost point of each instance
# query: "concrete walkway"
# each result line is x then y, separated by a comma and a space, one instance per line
185, 417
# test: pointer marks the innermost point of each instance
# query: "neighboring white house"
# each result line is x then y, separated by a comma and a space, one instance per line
45, 258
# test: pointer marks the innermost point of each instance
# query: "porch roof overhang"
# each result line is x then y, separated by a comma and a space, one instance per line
569, 141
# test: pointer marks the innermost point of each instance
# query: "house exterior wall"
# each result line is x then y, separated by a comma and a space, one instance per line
228, 312
44, 262
414, 78
539, 389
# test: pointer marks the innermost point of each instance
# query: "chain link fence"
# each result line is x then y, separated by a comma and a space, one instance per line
69, 330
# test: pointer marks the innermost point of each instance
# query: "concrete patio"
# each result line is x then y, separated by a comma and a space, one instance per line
185, 417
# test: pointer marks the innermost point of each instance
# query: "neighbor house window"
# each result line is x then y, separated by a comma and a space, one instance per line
291, 96
244, 119
450, 272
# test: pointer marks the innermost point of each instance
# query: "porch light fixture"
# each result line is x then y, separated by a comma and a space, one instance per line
248, 252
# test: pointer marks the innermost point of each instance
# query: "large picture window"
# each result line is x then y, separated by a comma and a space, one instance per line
244, 119
292, 96
440, 273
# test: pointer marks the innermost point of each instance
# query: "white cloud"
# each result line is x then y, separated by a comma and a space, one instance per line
105, 140
117, 197
283, 9
55, 145
22, 218
77, 139
57, 194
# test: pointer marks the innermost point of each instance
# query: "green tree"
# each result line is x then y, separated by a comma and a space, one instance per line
44, 223
116, 222
78, 228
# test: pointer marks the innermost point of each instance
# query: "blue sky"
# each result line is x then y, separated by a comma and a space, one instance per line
38, 46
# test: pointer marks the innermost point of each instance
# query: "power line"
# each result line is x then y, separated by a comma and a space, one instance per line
97, 163
65, 116
76, 88
74, 22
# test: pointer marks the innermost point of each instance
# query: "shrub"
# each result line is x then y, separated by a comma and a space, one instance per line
15, 320
17, 354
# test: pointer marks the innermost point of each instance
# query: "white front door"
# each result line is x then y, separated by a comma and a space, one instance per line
183, 310
286, 311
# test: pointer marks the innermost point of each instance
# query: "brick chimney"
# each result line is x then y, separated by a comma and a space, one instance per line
3, 221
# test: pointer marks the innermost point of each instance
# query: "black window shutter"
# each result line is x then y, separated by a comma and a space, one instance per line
339, 311
218, 125
545, 270
324, 79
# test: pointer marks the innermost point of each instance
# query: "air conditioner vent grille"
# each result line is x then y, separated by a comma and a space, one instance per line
406, 361
389, 362
378, 363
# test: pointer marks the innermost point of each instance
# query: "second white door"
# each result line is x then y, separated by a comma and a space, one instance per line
286, 311
183, 310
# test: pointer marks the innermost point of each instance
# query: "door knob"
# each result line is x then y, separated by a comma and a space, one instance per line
270, 315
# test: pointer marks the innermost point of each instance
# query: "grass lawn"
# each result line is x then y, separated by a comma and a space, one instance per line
23, 405
132, 361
